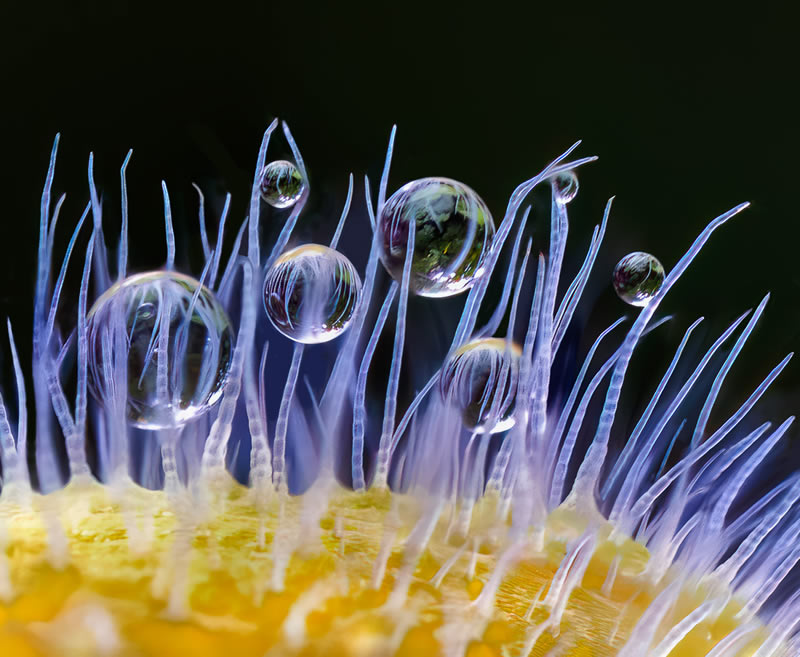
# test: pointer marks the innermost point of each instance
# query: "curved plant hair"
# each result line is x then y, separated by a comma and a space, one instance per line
391, 528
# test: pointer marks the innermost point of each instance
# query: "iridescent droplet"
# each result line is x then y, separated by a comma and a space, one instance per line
565, 186
481, 379
135, 318
453, 233
637, 278
281, 184
311, 293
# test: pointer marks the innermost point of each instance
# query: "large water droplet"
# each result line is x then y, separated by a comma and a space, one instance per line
281, 184
454, 230
637, 278
481, 379
565, 187
166, 385
311, 293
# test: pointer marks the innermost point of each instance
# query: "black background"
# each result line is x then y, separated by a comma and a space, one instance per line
690, 113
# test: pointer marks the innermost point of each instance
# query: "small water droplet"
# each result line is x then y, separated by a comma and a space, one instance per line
311, 293
481, 379
637, 278
565, 186
454, 230
281, 184
132, 316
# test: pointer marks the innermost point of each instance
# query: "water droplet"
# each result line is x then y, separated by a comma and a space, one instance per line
311, 293
637, 278
134, 315
454, 230
565, 186
281, 184
481, 379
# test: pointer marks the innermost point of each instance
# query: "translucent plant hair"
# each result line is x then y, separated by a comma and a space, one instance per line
485, 515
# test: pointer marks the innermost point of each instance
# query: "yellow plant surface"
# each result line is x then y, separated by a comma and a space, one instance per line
123, 571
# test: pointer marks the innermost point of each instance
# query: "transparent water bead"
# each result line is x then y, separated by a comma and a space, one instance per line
637, 278
454, 230
176, 343
481, 379
311, 293
281, 184
565, 187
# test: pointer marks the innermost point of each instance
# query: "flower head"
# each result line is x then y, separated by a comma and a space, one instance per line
474, 522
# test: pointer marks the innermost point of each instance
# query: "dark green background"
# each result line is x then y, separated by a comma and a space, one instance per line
691, 113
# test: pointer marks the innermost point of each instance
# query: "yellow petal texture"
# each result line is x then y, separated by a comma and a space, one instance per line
123, 571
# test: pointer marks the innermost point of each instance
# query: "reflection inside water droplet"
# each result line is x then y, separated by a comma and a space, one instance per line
481, 379
169, 339
637, 278
311, 293
454, 231
565, 187
281, 184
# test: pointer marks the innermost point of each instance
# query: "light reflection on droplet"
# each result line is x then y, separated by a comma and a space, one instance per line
565, 187
481, 379
454, 231
126, 330
638, 277
281, 184
311, 293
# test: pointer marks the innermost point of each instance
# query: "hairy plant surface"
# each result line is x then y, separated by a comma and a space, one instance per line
486, 518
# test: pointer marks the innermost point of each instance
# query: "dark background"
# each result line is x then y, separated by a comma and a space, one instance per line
689, 113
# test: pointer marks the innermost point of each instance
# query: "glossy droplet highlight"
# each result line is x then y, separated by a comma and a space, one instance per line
637, 278
481, 379
565, 187
311, 293
453, 234
281, 184
161, 342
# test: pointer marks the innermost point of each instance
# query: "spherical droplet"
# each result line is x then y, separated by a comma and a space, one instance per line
637, 278
481, 379
176, 343
311, 293
453, 233
281, 184
565, 186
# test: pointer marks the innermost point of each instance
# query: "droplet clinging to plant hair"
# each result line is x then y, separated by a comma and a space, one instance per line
481, 379
311, 293
165, 338
281, 184
637, 278
565, 187
453, 234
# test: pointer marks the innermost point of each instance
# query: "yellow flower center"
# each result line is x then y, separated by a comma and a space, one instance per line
96, 570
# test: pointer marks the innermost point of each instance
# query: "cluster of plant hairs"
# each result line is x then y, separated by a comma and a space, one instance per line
689, 515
